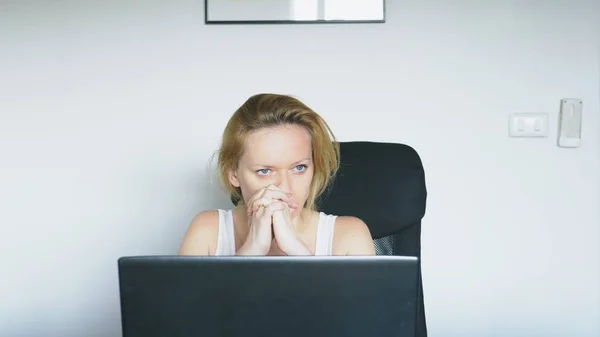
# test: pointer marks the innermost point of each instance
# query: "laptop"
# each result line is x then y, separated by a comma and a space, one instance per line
292, 296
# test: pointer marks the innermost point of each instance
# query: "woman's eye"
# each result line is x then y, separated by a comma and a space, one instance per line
300, 168
263, 172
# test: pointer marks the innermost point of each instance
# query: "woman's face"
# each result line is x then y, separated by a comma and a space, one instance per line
281, 156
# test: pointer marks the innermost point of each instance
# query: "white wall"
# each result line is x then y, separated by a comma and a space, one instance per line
110, 111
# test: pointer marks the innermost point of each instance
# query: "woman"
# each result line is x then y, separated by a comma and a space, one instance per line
276, 157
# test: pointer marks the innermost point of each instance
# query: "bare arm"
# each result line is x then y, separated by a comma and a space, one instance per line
201, 235
352, 237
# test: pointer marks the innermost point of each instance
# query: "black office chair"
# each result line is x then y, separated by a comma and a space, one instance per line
384, 185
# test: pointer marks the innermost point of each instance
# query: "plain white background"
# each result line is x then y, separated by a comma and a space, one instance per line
110, 112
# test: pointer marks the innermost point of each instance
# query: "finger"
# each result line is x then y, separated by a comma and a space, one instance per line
262, 202
265, 201
274, 207
250, 208
257, 195
280, 210
280, 195
266, 195
259, 213
281, 223
271, 211
262, 222
272, 187
287, 212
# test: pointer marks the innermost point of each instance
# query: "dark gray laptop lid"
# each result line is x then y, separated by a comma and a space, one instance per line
181, 296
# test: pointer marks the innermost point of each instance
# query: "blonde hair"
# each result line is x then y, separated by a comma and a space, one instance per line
271, 110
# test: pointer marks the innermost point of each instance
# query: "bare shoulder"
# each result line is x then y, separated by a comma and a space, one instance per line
201, 235
352, 237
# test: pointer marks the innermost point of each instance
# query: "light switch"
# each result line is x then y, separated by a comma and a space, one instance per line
520, 124
528, 125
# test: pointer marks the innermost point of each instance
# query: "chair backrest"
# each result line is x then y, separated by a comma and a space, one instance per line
384, 185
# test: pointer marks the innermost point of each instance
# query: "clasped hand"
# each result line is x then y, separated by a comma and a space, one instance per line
269, 214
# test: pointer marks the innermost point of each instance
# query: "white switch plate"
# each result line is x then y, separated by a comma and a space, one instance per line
528, 124
569, 133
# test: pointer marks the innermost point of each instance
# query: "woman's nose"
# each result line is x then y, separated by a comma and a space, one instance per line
284, 183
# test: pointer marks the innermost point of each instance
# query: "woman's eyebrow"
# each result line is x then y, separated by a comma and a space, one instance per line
302, 160
294, 164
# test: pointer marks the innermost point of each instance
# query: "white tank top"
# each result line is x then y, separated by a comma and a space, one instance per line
226, 239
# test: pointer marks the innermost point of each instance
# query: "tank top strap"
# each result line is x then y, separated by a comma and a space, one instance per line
226, 236
325, 230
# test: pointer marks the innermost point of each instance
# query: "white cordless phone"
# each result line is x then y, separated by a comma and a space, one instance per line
569, 134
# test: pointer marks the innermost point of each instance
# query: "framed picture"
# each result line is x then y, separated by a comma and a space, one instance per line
294, 11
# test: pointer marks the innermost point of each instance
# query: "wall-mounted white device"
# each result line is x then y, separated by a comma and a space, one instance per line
527, 124
569, 132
